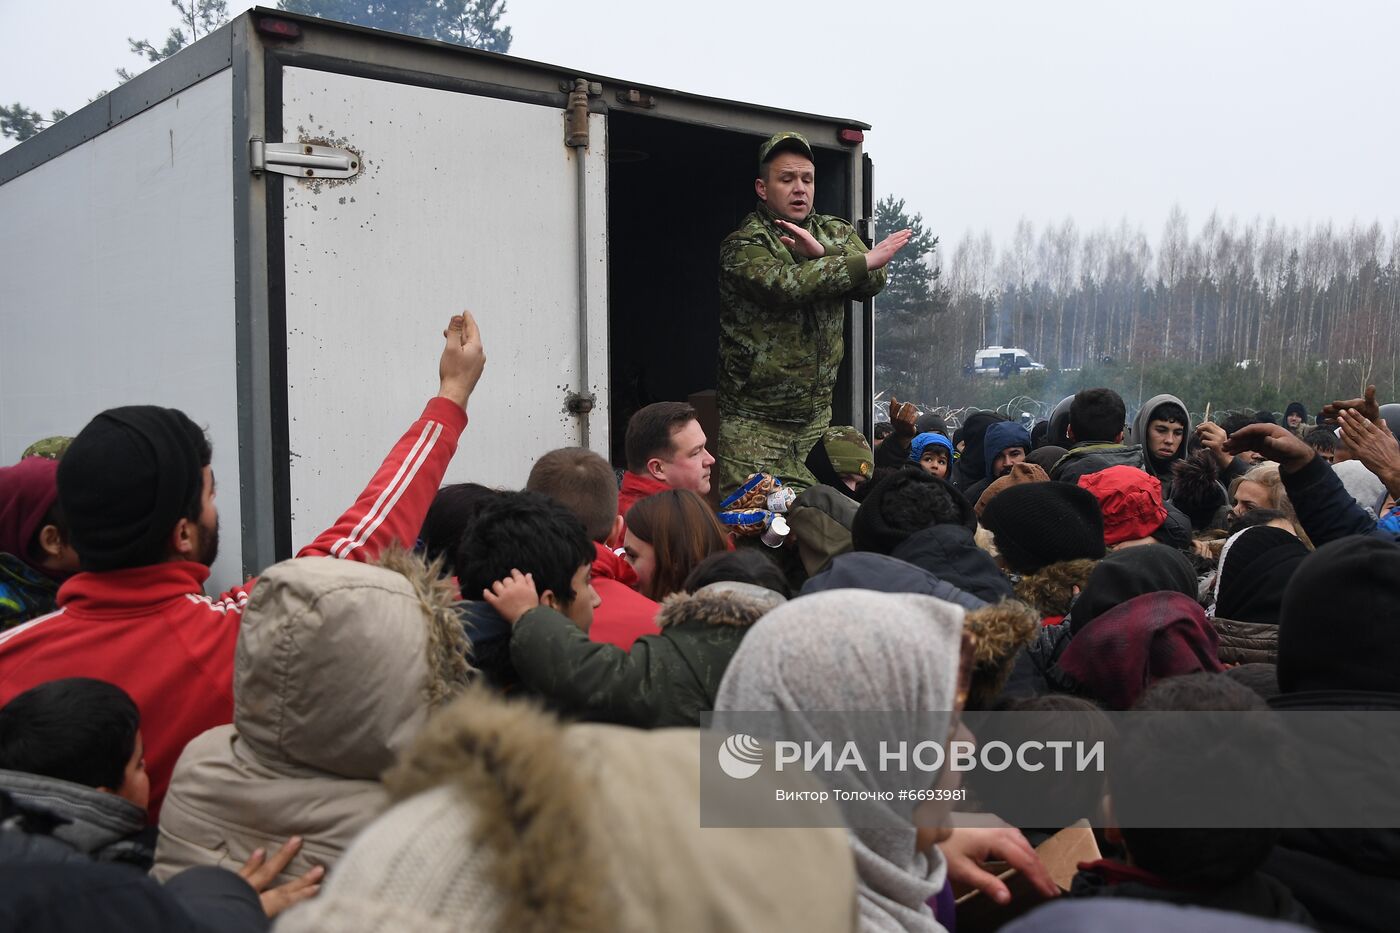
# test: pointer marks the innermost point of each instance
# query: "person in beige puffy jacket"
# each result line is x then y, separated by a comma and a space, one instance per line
339, 665
507, 820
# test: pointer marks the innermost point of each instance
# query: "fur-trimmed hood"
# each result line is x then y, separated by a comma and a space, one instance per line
339, 663
531, 826
725, 603
1001, 630
1050, 590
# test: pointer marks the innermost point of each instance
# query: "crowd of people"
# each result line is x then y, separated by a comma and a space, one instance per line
469, 707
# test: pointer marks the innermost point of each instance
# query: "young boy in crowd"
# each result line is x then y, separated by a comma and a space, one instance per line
1096, 421
73, 763
1324, 441
933, 452
530, 535
1161, 427
583, 483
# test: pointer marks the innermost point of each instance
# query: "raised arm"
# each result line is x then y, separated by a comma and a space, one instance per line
393, 505
1374, 446
1323, 506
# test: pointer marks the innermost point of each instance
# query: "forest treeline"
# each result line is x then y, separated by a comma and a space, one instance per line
1245, 315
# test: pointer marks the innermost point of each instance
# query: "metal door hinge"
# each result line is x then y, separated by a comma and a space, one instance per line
576, 120
302, 160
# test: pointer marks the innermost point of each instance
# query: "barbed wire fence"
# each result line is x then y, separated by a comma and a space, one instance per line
1030, 410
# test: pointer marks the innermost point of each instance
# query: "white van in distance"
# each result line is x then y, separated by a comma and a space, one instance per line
1003, 361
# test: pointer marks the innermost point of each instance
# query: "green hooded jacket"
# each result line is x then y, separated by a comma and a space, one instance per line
664, 680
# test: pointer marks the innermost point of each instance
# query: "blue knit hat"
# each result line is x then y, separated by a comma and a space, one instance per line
921, 441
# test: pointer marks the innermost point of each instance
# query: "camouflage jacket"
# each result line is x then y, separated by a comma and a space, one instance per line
781, 316
664, 680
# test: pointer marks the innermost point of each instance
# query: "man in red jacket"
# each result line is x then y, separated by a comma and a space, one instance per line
138, 493
583, 483
665, 449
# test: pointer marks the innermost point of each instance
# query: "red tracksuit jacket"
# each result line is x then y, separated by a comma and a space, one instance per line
153, 632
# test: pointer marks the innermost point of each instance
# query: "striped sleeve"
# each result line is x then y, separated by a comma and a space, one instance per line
393, 505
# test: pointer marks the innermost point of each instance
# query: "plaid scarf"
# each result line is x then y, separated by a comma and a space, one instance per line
1125, 650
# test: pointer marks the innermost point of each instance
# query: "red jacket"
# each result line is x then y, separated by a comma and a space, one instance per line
153, 632
624, 614
636, 486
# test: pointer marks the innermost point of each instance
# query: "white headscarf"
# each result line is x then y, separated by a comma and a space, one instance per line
857, 651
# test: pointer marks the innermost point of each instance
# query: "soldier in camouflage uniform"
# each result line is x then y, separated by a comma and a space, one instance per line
785, 278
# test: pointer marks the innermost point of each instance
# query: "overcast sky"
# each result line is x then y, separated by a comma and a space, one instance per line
983, 112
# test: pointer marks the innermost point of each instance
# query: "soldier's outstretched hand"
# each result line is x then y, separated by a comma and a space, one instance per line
800, 241
884, 251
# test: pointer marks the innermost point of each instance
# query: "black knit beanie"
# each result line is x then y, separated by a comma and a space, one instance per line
1337, 628
1038, 524
908, 501
125, 481
930, 422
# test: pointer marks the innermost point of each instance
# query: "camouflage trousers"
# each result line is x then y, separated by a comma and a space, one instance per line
748, 445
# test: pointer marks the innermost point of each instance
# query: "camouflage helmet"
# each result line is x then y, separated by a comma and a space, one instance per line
848, 451
785, 141
50, 448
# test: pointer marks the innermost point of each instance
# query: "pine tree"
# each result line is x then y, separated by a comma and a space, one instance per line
907, 308
474, 23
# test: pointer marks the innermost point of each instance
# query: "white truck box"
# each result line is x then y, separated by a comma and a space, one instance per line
154, 255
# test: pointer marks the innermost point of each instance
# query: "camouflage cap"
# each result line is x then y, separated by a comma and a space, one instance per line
50, 448
787, 140
848, 451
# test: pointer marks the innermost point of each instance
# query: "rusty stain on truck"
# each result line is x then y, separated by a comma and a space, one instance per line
305, 137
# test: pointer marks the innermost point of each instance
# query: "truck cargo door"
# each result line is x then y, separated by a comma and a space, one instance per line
461, 201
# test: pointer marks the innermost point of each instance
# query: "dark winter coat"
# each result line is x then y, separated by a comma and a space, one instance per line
821, 526
665, 680
1246, 642
92, 824
971, 466
1087, 458
881, 573
83, 896
950, 553
1348, 878
1256, 895
1036, 670
1324, 508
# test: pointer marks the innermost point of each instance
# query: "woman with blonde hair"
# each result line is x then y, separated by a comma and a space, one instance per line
1262, 488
